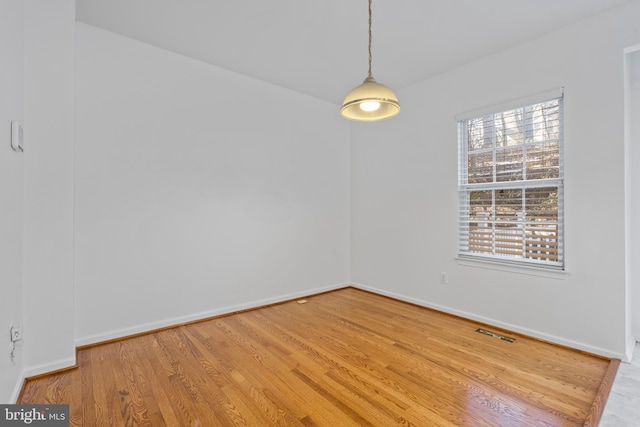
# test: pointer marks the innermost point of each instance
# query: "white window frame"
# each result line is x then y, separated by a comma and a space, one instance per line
465, 248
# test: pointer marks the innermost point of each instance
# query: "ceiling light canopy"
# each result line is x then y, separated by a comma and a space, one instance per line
371, 100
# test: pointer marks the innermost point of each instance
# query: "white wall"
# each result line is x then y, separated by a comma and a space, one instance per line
48, 203
632, 156
404, 190
11, 191
198, 190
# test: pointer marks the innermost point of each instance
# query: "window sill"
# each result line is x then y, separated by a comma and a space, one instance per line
512, 268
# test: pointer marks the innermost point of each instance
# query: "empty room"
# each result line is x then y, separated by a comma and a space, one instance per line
327, 213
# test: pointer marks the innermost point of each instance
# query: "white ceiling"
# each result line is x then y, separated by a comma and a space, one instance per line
320, 47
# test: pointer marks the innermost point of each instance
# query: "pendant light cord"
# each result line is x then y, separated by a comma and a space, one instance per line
370, 75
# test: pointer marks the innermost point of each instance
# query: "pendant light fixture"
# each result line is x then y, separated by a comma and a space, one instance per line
371, 100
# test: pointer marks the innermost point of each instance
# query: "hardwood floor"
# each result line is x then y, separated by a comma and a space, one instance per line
345, 358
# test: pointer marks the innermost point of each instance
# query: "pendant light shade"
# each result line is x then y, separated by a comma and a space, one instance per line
371, 100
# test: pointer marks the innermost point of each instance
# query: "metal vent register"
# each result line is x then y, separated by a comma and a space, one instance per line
494, 335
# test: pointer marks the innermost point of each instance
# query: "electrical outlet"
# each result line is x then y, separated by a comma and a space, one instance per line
16, 333
444, 279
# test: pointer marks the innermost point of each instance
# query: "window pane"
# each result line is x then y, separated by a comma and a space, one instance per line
508, 204
541, 204
508, 228
480, 225
544, 124
509, 239
542, 223
509, 164
480, 133
509, 128
480, 167
481, 205
541, 242
543, 160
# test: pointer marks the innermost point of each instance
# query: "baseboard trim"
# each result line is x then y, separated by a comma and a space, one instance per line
498, 324
41, 371
48, 368
17, 389
98, 339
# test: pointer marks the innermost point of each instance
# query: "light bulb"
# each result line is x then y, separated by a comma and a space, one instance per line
369, 106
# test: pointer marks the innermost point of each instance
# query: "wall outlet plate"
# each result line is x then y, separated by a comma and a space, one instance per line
444, 278
16, 333
17, 136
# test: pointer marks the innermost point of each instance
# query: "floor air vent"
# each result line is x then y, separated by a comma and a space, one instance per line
494, 335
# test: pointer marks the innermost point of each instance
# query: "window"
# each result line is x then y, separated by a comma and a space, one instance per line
510, 181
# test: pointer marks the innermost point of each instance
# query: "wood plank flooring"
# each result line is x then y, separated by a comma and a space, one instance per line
345, 358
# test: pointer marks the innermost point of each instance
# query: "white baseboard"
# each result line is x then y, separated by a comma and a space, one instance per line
489, 321
39, 370
146, 327
17, 389
49, 367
